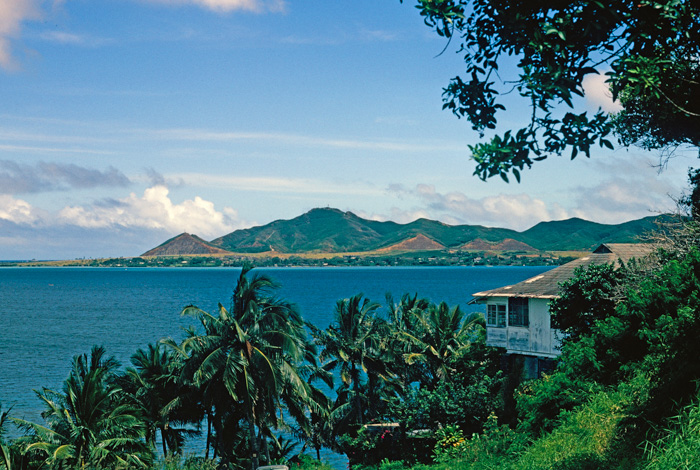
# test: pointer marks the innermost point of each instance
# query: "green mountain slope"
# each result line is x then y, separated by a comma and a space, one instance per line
319, 230
581, 234
333, 231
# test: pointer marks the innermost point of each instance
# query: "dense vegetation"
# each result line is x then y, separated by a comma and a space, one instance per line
251, 374
647, 50
407, 384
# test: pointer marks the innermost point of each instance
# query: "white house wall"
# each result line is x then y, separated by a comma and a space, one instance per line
538, 339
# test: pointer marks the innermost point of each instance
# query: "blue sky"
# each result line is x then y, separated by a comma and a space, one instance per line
126, 122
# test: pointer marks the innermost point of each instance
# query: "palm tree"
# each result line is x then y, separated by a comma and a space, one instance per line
90, 424
404, 322
8, 456
246, 358
440, 335
351, 344
313, 417
164, 402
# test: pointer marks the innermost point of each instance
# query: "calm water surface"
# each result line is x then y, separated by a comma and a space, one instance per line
48, 315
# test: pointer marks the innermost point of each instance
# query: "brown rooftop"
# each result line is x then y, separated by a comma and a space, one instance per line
546, 285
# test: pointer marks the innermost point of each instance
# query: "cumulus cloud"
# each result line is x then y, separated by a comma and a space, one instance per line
12, 14
17, 211
224, 6
635, 189
632, 188
517, 211
154, 210
598, 93
16, 178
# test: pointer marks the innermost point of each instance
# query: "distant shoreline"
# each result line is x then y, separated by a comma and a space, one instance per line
427, 259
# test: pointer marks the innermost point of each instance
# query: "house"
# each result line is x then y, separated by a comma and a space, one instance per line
517, 316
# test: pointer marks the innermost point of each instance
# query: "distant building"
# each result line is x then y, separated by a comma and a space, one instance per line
518, 318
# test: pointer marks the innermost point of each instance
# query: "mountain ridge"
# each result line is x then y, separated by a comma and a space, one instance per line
329, 230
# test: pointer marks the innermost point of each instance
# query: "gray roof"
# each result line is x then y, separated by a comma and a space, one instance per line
546, 285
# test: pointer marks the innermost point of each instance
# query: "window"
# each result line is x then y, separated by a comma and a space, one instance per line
518, 311
496, 315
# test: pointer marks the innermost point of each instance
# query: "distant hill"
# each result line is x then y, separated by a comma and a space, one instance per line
185, 244
572, 234
333, 231
506, 245
418, 243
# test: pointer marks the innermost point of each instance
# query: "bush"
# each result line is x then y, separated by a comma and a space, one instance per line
306, 462
191, 462
496, 447
373, 445
584, 439
680, 447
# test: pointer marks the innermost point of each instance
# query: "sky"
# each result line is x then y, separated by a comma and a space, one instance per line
124, 123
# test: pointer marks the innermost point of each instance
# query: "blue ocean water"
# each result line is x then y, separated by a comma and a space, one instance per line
48, 315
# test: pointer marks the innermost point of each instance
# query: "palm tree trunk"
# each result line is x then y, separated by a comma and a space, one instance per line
265, 447
206, 452
356, 387
162, 436
253, 445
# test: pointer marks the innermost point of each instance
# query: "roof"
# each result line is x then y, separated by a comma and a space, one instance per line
546, 285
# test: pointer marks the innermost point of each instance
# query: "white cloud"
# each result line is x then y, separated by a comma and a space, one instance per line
631, 188
155, 210
634, 187
516, 211
224, 6
397, 215
12, 14
17, 211
598, 93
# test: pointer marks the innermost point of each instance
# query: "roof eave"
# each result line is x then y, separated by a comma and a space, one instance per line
482, 296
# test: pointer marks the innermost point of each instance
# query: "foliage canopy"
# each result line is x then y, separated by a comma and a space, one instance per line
648, 50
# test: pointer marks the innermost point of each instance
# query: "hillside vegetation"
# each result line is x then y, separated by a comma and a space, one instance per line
333, 231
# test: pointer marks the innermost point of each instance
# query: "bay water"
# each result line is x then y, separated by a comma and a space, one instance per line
48, 315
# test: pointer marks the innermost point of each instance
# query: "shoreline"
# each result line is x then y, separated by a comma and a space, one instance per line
417, 259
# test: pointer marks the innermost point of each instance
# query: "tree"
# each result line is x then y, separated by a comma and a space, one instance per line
91, 423
404, 320
350, 344
164, 402
649, 47
245, 361
441, 334
639, 339
586, 298
8, 455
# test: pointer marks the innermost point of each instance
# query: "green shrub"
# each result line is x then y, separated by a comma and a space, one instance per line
306, 462
496, 447
680, 448
191, 462
584, 438
373, 445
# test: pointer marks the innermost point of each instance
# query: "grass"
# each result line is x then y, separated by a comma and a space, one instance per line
680, 447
